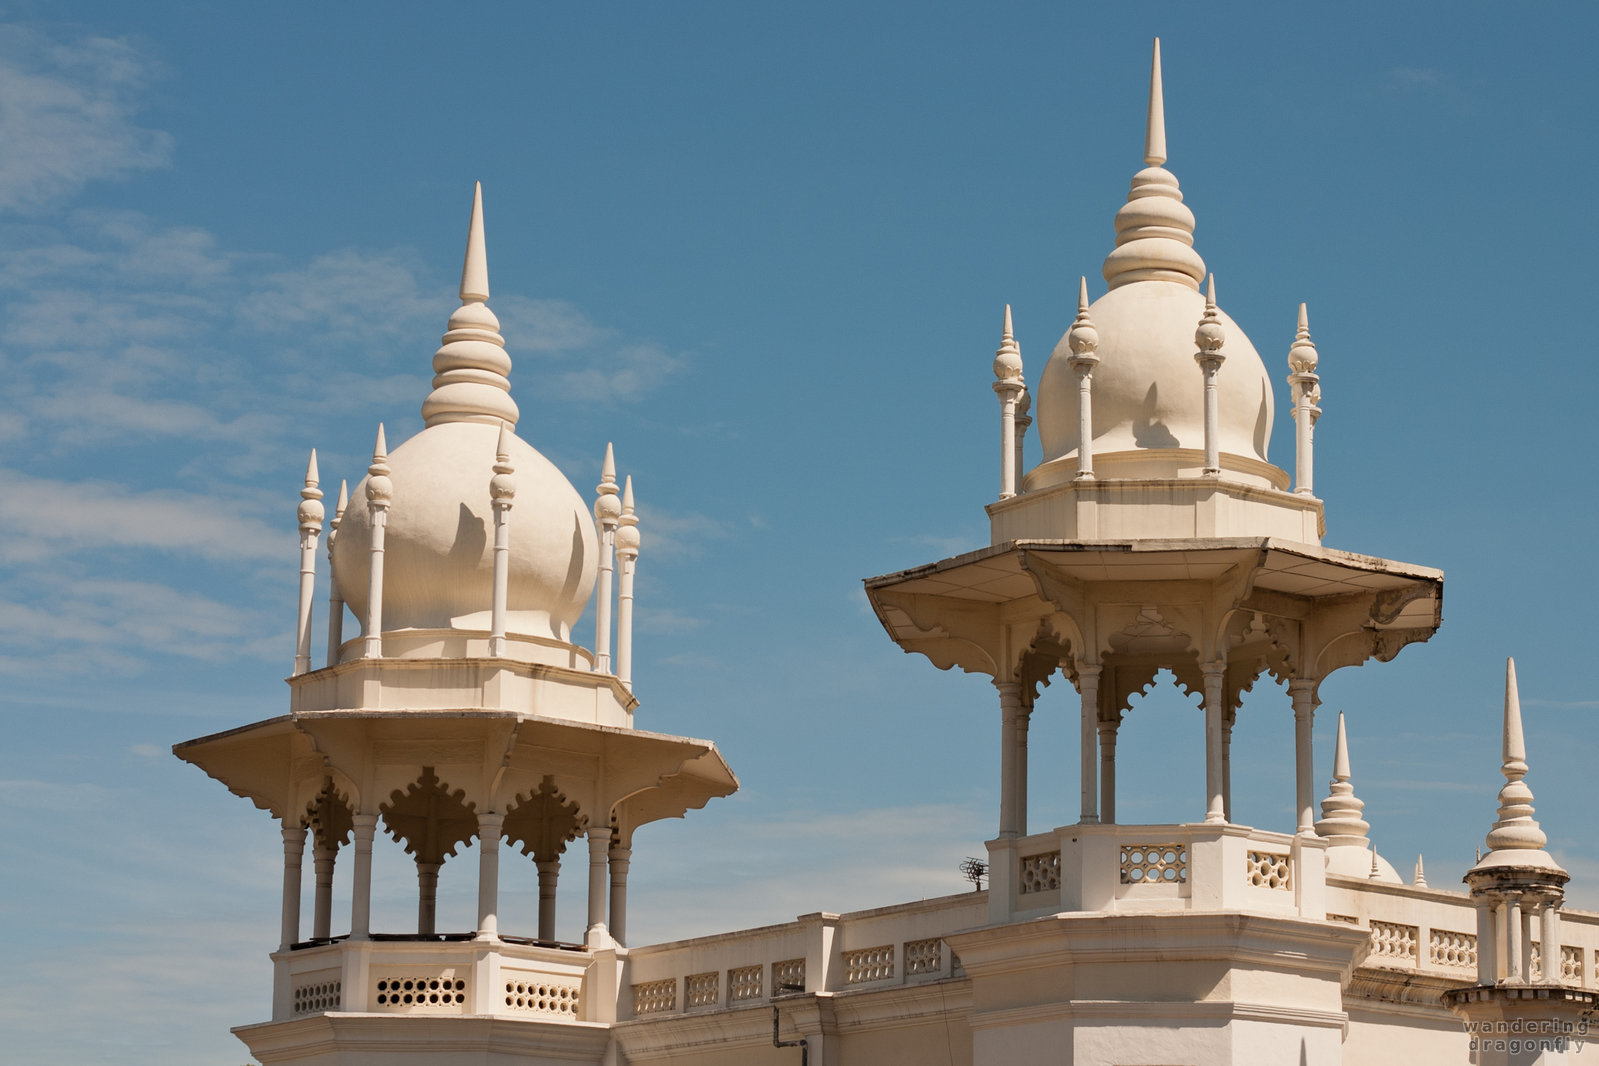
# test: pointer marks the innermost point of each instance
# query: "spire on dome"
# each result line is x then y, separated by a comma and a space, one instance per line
1155, 126
1154, 230
471, 370
1516, 839
1340, 820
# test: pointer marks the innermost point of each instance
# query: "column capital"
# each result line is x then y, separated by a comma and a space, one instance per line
1215, 668
293, 835
489, 820
364, 824
1088, 671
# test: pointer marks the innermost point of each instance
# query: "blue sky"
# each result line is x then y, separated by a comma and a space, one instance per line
765, 251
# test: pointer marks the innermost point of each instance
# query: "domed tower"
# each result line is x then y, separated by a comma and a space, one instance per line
463, 709
1155, 534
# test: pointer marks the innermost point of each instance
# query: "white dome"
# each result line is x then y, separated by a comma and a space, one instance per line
1148, 393
438, 568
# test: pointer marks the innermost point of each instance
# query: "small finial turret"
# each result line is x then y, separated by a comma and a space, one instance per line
502, 486
1420, 880
471, 381
311, 511
379, 489
607, 511
1210, 335
1306, 389
1008, 359
627, 536
1155, 125
1340, 820
344, 502
1082, 338
1302, 353
1516, 832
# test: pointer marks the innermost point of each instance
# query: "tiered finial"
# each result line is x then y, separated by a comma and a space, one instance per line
1307, 394
627, 536
1302, 355
311, 512
1154, 230
335, 594
502, 495
1420, 880
1209, 335
502, 486
1008, 359
310, 515
379, 489
471, 370
1155, 125
1516, 830
1082, 338
1340, 820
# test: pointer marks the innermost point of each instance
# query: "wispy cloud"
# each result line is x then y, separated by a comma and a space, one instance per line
678, 534
69, 115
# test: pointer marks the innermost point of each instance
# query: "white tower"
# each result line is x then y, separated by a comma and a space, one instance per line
1155, 534
463, 710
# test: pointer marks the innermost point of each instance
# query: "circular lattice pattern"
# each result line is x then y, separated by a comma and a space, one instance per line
547, 999
421, 992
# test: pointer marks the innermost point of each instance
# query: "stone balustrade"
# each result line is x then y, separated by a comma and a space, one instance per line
1118, 868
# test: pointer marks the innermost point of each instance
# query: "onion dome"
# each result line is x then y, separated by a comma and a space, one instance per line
439, 539
1148, 400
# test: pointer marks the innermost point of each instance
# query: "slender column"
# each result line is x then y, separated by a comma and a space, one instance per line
1302, 692
1526, 939
1226, 767
1088, 688
1024, 718
293, 857
1010, 705
502, 495
488, 874
1209, 337
599, 848
1510, 912
1083, 340
322, 907
1215, 803
549, 873
361, 891
310, 515
1307, 393
1551, 943
1487, 957
1023, 421
427, 898
379, 493
1107, 771
627, 545
335, 597
620, 860
607, 510
1008, 386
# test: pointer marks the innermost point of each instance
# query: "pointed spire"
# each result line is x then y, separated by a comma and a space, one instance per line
1008, 359
1082, 338
379, 489
1340, 820
1302, 353
311, 512
1154, 229
1516, 838
502, 486
1210, 336
1420, 880
471, 370
628, 518
475, 268
1155, 126
606, 505
1375, 872
344, 502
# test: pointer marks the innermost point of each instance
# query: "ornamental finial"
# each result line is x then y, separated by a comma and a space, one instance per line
627, 535
1516, 829
379, 489
1082, 338
502, 486
606, 506
1302, 354
1340, 820
471, 381
311, 512
1210, 335
1008, 359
